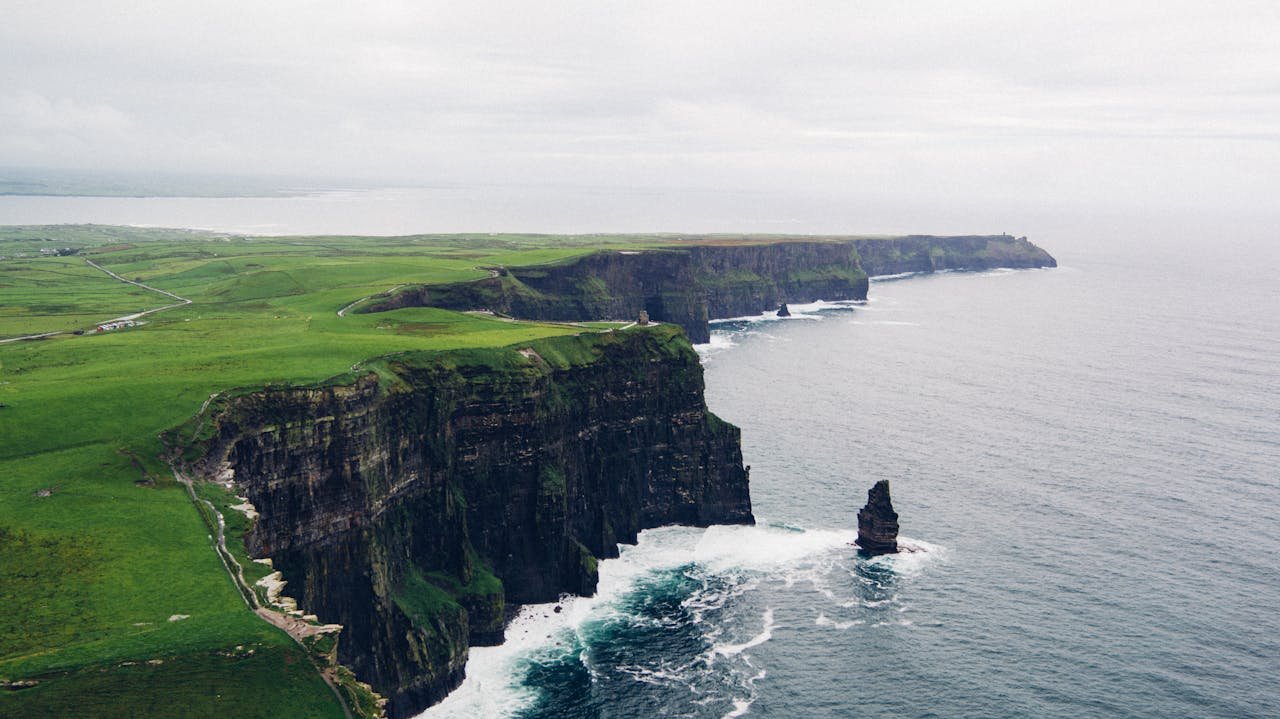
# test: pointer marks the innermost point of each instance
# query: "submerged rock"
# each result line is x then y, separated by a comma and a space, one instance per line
877, 522
784, 311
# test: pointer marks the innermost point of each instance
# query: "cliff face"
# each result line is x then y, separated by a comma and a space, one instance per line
750, 279
685, 286
411, 508
928, 253
602, 285
692, 283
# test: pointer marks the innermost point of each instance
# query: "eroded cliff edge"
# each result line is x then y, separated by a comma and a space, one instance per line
414, 504
697, 279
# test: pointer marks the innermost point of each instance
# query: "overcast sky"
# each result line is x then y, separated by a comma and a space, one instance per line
1074, 103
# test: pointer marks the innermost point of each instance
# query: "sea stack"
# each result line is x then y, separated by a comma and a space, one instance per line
783, 311
877, 522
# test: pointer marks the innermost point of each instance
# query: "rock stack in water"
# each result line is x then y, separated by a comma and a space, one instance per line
784, 311
877, 522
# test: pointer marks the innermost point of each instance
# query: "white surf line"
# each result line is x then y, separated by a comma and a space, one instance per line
180, 302
766, 633
343, 312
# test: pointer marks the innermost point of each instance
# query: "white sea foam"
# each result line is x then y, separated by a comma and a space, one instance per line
766, 633
824, 306
658, 677
720, 341
742, 706
802, 311
493, 687
824, 621
765, 548
913, 557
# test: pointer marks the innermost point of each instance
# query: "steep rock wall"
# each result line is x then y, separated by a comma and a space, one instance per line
750, 279
411, 508
711, 278
682, 285
602, 285
928, 253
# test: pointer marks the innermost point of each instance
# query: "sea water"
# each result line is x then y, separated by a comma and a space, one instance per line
1086, 461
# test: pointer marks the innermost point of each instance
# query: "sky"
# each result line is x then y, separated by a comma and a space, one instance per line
1071, 104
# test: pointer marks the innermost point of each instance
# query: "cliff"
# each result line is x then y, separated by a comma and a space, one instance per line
748, 279
700, 279
929, 253
601, 285
683, 285
416, 504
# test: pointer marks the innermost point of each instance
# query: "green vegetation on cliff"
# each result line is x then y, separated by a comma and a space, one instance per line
118, 604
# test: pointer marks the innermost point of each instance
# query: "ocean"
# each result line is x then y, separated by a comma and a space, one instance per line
1085, 461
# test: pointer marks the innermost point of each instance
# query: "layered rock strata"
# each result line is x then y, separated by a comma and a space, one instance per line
416, 505
701, 279
929, 253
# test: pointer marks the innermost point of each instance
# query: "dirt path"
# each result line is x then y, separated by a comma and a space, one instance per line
296, 628
181, 300
33, 337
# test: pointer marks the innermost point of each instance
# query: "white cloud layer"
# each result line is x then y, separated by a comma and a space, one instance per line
1073, 103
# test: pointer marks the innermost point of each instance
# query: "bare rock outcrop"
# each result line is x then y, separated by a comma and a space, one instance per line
877, 522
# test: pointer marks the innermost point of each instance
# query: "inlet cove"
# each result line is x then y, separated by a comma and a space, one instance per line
303, 476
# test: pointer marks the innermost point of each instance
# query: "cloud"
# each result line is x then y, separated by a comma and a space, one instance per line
830, 98
34, 113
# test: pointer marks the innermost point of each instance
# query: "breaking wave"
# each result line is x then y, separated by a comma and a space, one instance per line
677, 622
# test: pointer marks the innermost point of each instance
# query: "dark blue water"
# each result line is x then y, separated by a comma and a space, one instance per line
1086, 458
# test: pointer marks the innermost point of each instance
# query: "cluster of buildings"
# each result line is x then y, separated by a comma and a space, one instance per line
118, 324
